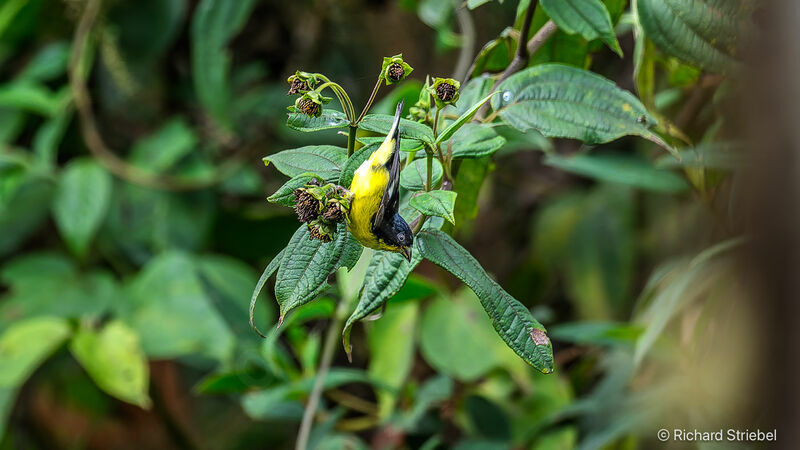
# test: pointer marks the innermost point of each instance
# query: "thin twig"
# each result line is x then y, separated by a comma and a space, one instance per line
371, 99
468, 37
94, 140
541, 36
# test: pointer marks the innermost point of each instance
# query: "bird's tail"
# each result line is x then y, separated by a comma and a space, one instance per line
394, 132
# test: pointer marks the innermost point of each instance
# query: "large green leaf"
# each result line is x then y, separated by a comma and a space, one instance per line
701, 32
624, 169
382, 123
406, 145
115, 361
303, 274
165, 147
285, 195
81, 203
415, 175
214, 24
25, 344
589, 18
324, 160
171, 312
268, 271
330, 118
474, 141
354, 161
510, 318
386, 274
564, 101
435, 203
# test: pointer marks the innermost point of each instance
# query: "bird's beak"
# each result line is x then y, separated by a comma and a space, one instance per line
406, 251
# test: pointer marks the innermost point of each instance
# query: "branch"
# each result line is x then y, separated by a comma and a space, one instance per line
467, 27
91, 135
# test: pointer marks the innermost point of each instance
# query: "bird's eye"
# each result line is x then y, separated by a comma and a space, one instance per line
401, 238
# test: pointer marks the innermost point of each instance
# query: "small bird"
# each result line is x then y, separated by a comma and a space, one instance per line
374, 219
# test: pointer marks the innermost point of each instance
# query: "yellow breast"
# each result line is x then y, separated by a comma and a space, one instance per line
369, 182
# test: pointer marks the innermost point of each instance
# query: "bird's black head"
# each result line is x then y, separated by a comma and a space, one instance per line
397, 233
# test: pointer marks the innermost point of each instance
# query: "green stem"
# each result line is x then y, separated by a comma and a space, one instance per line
436, 124
371, 99
429, 184
351, 140
341, 94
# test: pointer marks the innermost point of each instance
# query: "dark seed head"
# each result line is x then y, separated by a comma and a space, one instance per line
316, 232
307, 207
309, 107
445, 92
297, 86
395, 72
333, 212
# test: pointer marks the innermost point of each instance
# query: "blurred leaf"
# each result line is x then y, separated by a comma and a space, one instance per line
304, 275
382, 123
435, 390
235, 382
475, 141
495, 56
435, 203
285, 195
81, 203
435, 13
596, 333
473, 91
456, 340
171, 313
468, 184
589, 18
326, 161
8, 10
472, 4
147, 28
22, 215
7, 398
32, 97
516, 140
48, 138
25, 344
414, 176
330, 118
623, 169
162, 149
386, 274
391, 343
465, 117
11, 123
49, 63
700, 32
214, 24
563, 101
716, 155
510, 318
408, 90
115, 361
488, 418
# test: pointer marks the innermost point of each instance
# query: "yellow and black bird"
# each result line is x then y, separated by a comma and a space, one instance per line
374, 219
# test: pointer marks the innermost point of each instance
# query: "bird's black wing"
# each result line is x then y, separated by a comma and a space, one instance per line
391, 196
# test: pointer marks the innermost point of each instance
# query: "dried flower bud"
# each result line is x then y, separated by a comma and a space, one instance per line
307, 207
445, 90
319, 230
301, 82
333, 212
309, 105
394, 69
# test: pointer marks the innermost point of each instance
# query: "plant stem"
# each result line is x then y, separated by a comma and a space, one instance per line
369, 102
428, 185
351, 140
332, 336
436, 124
344, 99
467, 27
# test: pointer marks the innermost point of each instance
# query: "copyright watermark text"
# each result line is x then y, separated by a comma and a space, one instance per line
721, 435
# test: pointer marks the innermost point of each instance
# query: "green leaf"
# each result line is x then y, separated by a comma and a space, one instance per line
24, 212
114, 360
330, 118
623, 169
32, 97
81, 203
354, 161
435, 203
716, 155
324, 160
467, 185
391, 343
589, 18
48, 137
472, 4
171, 312
435, 390
49, 63
597, 333
214, 24
464, 118
229, 282
303, 275
268, 271
382, 123
25, 344
164, 148
456, 338
563, 101
406, 145
510, 318
415, 175
285, 195
702, 32
474, 141
386, 274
